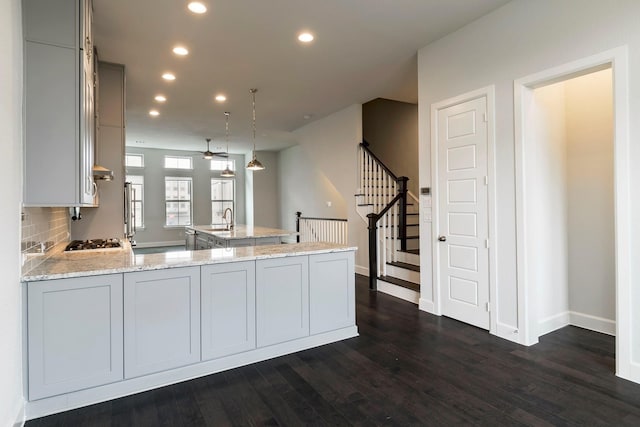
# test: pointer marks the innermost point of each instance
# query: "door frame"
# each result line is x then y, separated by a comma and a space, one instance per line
487, 92
617, 60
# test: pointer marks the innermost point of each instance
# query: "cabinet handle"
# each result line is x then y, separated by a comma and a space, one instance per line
88, 47
95, 189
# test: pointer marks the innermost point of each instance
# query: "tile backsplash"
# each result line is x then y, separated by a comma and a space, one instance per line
42, 228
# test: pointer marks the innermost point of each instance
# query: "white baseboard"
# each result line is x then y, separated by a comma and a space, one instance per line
20, 418
581, 320
553, 323
511, 333
362, 270
593, 323
159, 244
428, 306
398, 292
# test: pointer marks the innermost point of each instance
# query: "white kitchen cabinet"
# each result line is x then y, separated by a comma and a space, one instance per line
161, 320
331, 291
74, 334
282, 299
228, 307
58, 91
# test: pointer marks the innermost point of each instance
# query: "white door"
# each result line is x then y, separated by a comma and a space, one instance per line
463, 216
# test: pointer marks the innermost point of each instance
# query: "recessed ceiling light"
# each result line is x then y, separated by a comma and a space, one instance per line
154, 113
221, 98
197, 7
168, 76
180, 50
160, 98
139, 142
305, 37
307, 116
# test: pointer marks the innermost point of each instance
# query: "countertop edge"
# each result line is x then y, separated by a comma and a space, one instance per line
178, 264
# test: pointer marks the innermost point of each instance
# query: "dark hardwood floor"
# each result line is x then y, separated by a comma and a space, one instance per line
406, 368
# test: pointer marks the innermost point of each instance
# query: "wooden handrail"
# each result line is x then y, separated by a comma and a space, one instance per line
365, 147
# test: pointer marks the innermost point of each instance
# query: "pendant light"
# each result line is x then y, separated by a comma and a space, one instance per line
254, 164
208, 155
227, 173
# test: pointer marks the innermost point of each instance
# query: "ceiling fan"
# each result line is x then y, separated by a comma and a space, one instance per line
208, 155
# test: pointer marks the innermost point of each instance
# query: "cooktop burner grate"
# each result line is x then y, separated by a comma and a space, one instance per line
83, 245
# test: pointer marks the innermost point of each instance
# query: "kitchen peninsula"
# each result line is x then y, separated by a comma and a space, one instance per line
209, 237
110, 323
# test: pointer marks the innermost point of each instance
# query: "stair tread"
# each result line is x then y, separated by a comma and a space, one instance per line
404, 265
400, 282
411, 251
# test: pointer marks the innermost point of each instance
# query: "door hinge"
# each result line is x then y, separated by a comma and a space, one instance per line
484, 117
486, 243
486, 180
488, 307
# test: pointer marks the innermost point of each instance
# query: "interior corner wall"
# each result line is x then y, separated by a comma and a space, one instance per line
266, 194
304, 187
547, 210
391, 129
154, 232
328, 147
11, 88
517, 40
591, 262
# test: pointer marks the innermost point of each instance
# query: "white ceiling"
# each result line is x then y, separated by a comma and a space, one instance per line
363, 49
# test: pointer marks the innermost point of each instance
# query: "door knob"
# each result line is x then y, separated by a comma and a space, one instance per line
442, 238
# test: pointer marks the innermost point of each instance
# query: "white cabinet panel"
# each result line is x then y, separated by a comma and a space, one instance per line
282, 299
161, 320
51, 21
74, 334
228, 309
332, 291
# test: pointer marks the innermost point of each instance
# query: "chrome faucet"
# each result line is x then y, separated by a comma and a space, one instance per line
230, 220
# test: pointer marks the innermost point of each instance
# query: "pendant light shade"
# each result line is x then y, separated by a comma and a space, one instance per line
254, 164
227, 172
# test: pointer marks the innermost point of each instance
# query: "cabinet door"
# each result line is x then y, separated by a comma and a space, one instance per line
331, 292
51, 125
228, 309
161, 320
51, 21
74, 334
240, 243
282, 299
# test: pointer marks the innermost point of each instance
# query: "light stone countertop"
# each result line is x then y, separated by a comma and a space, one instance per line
93, 263
241, 232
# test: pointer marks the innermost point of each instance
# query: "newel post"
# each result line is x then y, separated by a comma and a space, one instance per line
298, 215
402, 223
373, 252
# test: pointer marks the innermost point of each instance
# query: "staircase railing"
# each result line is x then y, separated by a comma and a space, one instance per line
332, 230
387, 196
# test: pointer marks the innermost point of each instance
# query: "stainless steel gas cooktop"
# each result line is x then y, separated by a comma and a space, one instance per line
84, 245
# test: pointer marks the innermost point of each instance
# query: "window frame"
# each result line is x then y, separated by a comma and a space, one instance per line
167, 201
140, 155
178, 159
222, 201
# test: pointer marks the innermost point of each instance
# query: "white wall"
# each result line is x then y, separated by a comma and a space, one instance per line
265, 191
517, 40
547, 210
591, 262
307, 189
11, 400
327, 162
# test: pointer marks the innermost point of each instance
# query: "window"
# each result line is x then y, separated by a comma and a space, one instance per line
222, 196
134, 160
177, 192
178, 162
220, 165
137, 197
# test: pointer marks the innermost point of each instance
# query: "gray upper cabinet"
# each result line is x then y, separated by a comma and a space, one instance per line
59, 107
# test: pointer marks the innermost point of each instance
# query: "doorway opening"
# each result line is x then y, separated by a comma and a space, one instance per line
572, 202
